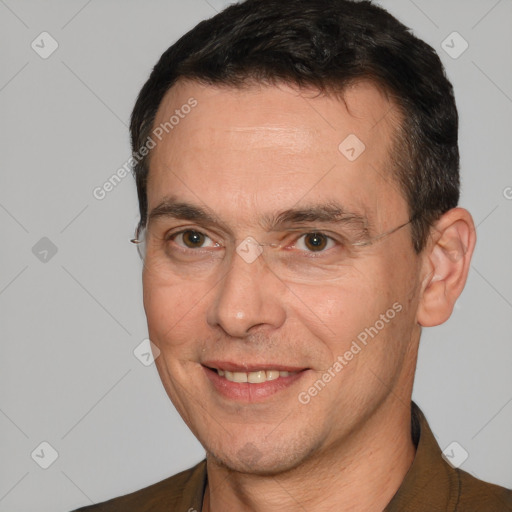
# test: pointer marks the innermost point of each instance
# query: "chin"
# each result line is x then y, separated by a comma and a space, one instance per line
263, 459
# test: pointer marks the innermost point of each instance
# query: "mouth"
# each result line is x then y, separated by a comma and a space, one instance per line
255, 377
251, 383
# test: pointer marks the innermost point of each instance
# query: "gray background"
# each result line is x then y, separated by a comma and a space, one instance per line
71, 320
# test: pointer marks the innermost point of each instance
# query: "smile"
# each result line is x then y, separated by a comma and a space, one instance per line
251, 382
255, 377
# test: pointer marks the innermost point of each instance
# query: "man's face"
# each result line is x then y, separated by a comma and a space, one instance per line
247, 155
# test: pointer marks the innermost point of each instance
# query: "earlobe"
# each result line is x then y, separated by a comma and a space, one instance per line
446, 265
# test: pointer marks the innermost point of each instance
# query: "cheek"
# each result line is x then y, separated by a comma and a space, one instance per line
334, 314
174, 312
337, 313
400, 278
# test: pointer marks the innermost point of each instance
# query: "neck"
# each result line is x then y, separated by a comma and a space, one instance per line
362, 473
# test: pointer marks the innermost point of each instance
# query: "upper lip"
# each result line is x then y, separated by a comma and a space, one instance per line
250, 367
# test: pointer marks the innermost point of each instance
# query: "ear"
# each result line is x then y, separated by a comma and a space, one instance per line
445, 267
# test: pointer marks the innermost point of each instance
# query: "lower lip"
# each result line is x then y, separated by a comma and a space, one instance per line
246, 392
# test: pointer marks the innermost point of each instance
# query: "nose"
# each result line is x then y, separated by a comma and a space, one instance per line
248, 295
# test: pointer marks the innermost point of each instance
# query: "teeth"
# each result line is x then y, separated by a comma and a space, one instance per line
254, 377
238, 376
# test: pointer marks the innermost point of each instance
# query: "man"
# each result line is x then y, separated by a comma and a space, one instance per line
297, 173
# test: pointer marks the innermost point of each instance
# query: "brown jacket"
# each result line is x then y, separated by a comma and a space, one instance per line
431, 485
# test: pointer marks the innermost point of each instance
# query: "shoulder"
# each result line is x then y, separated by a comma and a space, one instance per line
181, 491
477, 495
433, 484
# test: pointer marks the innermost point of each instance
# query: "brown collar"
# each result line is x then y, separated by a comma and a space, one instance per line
429, 474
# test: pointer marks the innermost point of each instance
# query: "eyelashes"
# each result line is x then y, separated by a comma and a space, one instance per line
307, 241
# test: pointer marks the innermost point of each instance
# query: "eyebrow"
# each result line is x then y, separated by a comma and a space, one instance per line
329, 212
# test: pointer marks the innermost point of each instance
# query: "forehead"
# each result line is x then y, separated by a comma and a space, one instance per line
261, 147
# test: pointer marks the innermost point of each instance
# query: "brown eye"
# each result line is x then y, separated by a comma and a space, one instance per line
193, 239
315, 241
